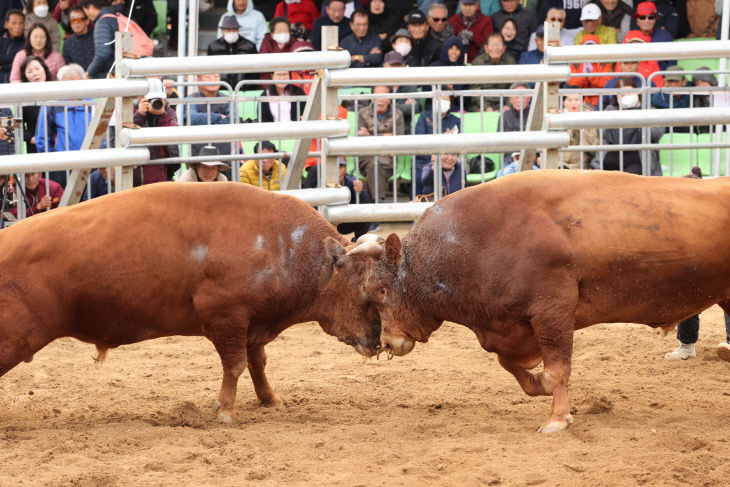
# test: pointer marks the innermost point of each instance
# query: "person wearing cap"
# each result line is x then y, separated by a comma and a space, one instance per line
334, 14
408, 106
472, 27
590, 82
495, 54
363, 45
526, 22
591, 18
535, 56
646, 17
705, 79
265, 173
646, 68
252, 24
425, 48
674, 78
154, 111
616, 14
205, 171
555, 14
231, 42
438, 22
402, 43
671, 16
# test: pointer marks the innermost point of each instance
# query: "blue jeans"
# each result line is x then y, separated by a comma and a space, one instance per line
688, 330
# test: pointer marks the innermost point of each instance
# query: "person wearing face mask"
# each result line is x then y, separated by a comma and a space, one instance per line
627, 100
280, 38
402, 43
252, 24
36, 12
232, 43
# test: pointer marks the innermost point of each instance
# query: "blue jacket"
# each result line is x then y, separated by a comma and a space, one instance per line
454, 181
363, 46
52, 122
531, 57
425, 126
661, 100
104, 30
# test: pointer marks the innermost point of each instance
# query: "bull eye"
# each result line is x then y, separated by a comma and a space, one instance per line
382, 290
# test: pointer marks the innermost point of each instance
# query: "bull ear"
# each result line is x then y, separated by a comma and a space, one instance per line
393, 248
334, 250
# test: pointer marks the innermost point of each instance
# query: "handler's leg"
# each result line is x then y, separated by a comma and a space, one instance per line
723, 349
256, 365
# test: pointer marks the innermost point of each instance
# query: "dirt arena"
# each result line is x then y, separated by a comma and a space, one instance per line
447, 414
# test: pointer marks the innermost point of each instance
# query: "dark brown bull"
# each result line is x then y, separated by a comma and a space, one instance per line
227, 261
525, 260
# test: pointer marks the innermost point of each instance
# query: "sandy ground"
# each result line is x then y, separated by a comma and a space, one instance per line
446, 414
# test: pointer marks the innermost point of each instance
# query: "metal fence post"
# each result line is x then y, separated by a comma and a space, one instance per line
329, 170
124, 111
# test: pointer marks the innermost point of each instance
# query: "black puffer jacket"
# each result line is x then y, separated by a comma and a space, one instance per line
242, 46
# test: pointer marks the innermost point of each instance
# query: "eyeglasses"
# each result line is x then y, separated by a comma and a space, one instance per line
439, 19
77, 21
646, 17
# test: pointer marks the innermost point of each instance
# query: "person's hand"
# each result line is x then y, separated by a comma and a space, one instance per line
223, 116
383, 35
45, 202
32, 140
409, 101
144, 106
357, 186
363, 131
375, 50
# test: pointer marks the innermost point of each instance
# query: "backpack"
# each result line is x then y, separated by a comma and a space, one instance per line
142, 45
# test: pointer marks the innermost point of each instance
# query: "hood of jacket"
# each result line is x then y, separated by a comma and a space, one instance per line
444, 56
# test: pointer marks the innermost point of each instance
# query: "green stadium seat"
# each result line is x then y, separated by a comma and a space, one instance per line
249, 109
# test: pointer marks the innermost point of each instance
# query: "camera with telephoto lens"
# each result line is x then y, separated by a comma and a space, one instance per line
157, 103
10, 124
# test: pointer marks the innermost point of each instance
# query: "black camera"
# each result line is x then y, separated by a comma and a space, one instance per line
11, 123
157, 103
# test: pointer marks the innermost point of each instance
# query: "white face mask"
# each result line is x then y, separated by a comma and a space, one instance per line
281, 37
444, 105
630, 101
40, 10
403, 48
230, 37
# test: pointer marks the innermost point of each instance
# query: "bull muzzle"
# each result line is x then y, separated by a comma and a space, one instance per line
395, 346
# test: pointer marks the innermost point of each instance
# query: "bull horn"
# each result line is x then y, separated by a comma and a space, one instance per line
369, 249
370, 237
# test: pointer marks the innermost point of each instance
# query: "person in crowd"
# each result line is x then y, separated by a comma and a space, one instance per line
12, 42
363, 45
78, 48
334, 15
409, 106
382, 119
425, 125
205, 171
578, 160
526, 22
472, 27
37, 12
629, 100
7, 5
99, 182
512, 43
282, 110
402, 43
154, 111
590, 82
279, 39
33, 70
514, 165
495, 54
232, 43
616, 14
535, 56
647, 67
438, 22
452, 55
61, 14
646, 19
573, 11
105, 26
35, 192
210, 113
591, 18
514, 116
452, 175
303, 12
37, 44
141, 11
386, 17
555, 15
265, 173
704, 80
668, 18
702, 19
673, 79
62, 128
252, 24
425, 48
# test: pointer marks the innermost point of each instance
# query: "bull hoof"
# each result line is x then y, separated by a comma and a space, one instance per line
555, 426
273, 403
225, 418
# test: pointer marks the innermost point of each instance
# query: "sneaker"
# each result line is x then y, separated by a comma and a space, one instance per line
723, 351
682, 352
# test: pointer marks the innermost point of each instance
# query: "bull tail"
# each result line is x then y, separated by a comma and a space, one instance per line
101, 354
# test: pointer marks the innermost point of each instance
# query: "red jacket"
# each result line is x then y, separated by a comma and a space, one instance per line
481, 27
305, 12
35, 197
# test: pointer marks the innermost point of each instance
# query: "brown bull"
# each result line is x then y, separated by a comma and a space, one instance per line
227, 261
525, 260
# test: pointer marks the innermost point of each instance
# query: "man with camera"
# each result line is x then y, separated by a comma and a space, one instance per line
154, 111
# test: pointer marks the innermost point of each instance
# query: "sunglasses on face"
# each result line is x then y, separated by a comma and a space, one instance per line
77, 21
439, 19
646, 17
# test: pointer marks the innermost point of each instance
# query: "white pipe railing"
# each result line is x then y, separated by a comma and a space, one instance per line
657, 51
320, 196
234, 132
382, 212
676, 117
237, 63
74, 159
72, 90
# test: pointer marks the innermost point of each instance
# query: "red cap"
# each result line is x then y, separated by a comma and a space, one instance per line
645, 8
636, 36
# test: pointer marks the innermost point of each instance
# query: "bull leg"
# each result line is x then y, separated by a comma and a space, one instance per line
256, 365
230, 342
557, 351
531, 384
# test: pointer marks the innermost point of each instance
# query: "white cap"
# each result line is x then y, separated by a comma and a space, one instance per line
590, 11
156, 90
